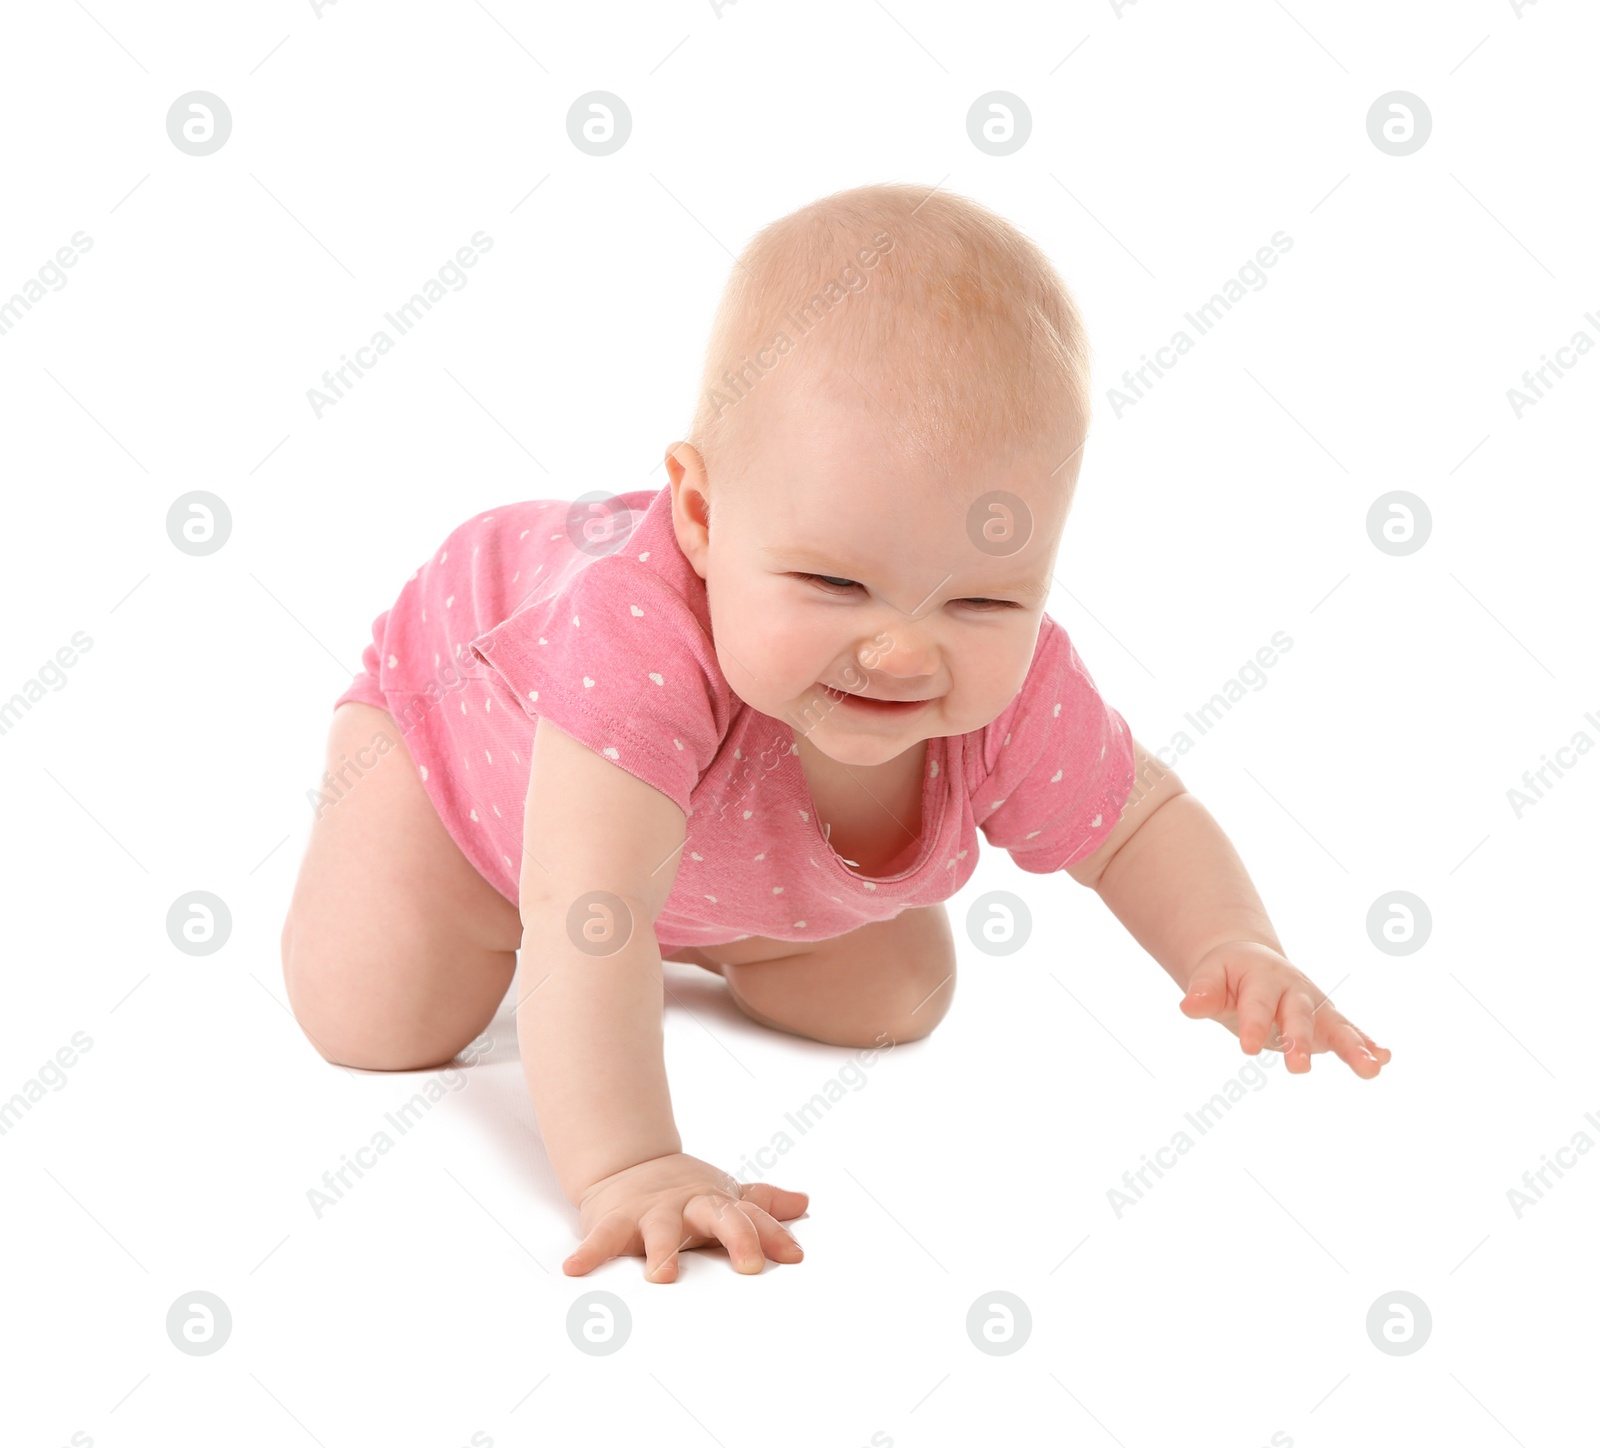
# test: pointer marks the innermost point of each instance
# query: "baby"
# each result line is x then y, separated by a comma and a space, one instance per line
753, 722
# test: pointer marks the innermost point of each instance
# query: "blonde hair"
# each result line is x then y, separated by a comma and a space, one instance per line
955, 324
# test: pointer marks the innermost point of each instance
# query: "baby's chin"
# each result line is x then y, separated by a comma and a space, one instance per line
859, 752
827, 731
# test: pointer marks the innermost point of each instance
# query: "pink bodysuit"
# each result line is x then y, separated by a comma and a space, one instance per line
510, 621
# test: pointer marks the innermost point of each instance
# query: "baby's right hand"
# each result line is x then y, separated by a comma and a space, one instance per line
659, 1207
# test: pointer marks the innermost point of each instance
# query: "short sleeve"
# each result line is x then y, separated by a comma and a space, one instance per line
1058, 784
619, 661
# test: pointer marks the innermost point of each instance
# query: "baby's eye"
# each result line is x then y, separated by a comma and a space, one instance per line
833, 582
983, 605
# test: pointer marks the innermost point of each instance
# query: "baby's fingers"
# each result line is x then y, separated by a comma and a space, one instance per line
1297, 1023
610, 1236
776, 1201
720, 1218
1207, 995
665, 1234
1355, 1048
1259, 995
777, 1242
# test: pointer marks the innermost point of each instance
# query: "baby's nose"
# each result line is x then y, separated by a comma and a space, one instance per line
900, 652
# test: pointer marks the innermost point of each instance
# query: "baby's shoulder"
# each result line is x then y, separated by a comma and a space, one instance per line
537, 519
547, 542
600, 570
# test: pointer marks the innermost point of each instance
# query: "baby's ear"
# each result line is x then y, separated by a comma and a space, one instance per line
691, 503
685, 456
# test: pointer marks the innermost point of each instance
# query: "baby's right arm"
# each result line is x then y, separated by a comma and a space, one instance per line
589, 1023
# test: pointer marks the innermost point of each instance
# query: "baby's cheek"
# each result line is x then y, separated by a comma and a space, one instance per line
759, 644
785, 641
998, 672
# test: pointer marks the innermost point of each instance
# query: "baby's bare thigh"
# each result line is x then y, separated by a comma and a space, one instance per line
396, 951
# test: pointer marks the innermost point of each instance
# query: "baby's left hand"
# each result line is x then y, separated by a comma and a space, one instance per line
1265, 1001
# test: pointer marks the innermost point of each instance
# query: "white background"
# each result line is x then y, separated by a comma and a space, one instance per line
1168, 144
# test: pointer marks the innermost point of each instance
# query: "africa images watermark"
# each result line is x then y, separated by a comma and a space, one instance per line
1536, 782
49, 675
1537, 381
755, 1166
1137, 382
1536, 1184
1204, 719
1136, 1185
1208, 715
411, 311
51, 275
338, 1182
835, 292
52, 1074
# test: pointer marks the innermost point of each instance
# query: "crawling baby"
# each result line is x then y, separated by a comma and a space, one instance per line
753, 721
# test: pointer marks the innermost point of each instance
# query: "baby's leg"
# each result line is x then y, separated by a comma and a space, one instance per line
892, 980
396, 951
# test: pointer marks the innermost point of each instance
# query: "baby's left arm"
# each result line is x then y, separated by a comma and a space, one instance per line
1171, 876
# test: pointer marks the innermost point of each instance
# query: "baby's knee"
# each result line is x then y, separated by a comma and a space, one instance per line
920, 1001
351, 1019
903, 1000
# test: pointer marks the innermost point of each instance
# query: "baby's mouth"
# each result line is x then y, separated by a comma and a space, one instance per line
870, 705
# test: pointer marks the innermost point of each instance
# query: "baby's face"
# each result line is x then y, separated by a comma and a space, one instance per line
857, 599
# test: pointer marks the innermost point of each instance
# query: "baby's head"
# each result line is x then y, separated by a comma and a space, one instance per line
895, 400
